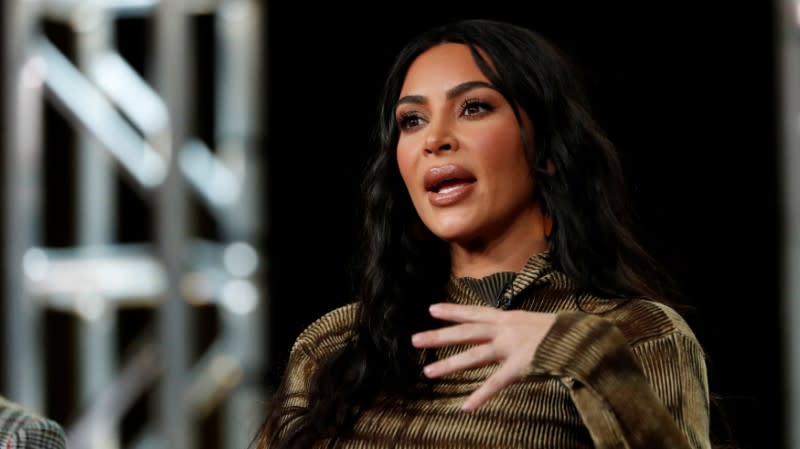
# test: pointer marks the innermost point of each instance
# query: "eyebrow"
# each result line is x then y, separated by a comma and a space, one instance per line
450, 94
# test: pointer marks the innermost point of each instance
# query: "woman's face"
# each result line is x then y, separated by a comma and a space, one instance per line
460, 152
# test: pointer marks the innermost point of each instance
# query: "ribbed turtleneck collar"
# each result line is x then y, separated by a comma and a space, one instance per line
499, 289
489, 288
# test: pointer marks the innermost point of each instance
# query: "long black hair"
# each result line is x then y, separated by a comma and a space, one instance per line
402, 272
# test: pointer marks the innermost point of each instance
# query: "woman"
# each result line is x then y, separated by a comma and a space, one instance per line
503, 300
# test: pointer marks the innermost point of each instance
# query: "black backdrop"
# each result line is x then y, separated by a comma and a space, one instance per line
686, 91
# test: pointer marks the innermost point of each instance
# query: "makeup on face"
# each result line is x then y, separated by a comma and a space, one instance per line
460, 149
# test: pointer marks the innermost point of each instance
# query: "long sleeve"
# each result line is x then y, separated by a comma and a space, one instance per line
650, 394
325, 336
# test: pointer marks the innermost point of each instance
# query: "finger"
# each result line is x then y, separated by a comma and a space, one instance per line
471, 333
503, 377
464, 314
471, 358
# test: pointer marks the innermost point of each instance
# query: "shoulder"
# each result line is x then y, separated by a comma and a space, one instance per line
641, 319
23, 429
328, 333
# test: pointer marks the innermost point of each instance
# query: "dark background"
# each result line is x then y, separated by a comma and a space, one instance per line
685, 89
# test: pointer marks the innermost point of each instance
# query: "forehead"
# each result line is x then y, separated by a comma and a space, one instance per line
440, 68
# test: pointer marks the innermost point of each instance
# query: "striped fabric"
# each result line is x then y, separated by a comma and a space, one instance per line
607, 375
23, 429
491, 287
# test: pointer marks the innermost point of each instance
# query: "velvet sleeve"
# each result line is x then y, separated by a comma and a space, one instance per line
649, 394
325, 336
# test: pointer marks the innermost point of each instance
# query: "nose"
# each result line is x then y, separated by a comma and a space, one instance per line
439, 138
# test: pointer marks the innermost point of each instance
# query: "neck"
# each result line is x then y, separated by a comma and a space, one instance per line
508, 251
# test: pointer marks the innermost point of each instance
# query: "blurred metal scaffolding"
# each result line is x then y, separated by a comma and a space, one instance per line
136, 128
789, 87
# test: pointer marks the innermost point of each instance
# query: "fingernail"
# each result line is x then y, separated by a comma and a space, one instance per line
428, 370
434, 308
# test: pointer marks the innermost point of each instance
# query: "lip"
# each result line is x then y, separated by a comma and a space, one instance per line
458, 183
437, 175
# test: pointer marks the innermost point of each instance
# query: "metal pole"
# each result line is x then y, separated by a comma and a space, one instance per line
174, 419
95, 226
239, 118
239, 114
23, 93
790, 188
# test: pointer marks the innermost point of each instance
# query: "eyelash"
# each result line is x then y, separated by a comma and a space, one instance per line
475, 103
405, 118
403, 121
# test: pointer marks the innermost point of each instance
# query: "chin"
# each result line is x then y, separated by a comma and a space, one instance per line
453, 225
454, 234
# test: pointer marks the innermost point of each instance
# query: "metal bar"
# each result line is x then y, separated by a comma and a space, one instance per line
98, 427
103, 96
22, 90
122, 275
89, 109
789, 71
125, 276
65, 10
216, 185
239, 120
174, 420
95, 216
243, 408
129, 92
239, 114
212, 378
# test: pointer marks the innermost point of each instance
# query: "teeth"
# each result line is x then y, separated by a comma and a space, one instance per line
449, 188
447, 183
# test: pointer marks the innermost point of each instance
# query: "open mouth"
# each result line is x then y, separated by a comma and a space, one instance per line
447, 177
449, 184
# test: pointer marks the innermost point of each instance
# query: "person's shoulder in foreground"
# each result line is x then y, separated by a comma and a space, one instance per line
21, 428
641, 319
327, 333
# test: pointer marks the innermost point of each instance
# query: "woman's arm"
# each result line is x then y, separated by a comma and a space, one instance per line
653, 394
323, 337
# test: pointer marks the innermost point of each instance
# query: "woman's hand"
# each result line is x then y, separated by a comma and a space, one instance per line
509, 338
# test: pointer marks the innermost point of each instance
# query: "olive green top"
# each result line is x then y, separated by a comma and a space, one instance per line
608, 374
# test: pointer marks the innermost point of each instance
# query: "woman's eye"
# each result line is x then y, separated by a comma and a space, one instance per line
475, 107
408, 121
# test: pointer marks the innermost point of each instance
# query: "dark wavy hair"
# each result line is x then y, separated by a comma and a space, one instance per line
401, 272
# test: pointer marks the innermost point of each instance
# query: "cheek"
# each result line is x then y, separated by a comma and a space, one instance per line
502, 151
405, 162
